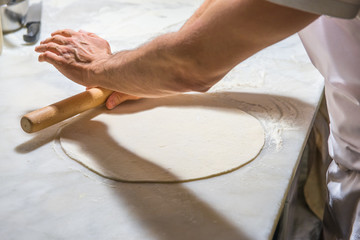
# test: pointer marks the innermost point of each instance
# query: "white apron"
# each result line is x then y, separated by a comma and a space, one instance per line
333, 46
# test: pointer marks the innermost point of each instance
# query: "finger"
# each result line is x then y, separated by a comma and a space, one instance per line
59, 39
117, 98
52, 47
52, 58
88, 33
64, 32
83, 31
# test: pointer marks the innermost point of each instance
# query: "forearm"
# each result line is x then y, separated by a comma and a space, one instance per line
230, 31
220, 35
151, 70
156, 56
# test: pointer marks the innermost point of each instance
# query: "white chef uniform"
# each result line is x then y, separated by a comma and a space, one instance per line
333, 45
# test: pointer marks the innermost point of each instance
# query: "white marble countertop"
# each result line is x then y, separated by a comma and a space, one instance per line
45, 195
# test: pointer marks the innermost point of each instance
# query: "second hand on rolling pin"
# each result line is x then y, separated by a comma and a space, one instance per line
57, 112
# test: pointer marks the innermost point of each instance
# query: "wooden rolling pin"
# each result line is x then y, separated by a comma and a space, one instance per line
57, 112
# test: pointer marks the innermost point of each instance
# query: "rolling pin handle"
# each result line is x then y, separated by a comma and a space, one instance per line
57, 112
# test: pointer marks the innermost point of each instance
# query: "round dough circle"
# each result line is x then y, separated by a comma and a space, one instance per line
160, 143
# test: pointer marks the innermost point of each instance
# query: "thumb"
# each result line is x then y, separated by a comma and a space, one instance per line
117, 98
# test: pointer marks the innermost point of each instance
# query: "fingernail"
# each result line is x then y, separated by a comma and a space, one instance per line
109, 105
112, 104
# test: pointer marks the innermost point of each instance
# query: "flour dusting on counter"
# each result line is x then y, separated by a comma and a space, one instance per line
276, 114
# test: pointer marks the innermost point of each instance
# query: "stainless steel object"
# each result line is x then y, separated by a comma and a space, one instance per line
33, 22
13, 14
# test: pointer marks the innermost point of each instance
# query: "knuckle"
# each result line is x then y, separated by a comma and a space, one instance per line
67, 56
57, 39
68, 41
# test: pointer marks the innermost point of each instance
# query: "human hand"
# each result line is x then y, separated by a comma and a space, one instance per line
74, 54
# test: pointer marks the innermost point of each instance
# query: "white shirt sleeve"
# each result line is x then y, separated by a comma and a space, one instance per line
335, 8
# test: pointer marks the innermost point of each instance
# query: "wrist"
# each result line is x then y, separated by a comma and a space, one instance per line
97, 72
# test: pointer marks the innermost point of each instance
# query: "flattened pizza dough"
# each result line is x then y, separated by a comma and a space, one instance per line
176, 139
